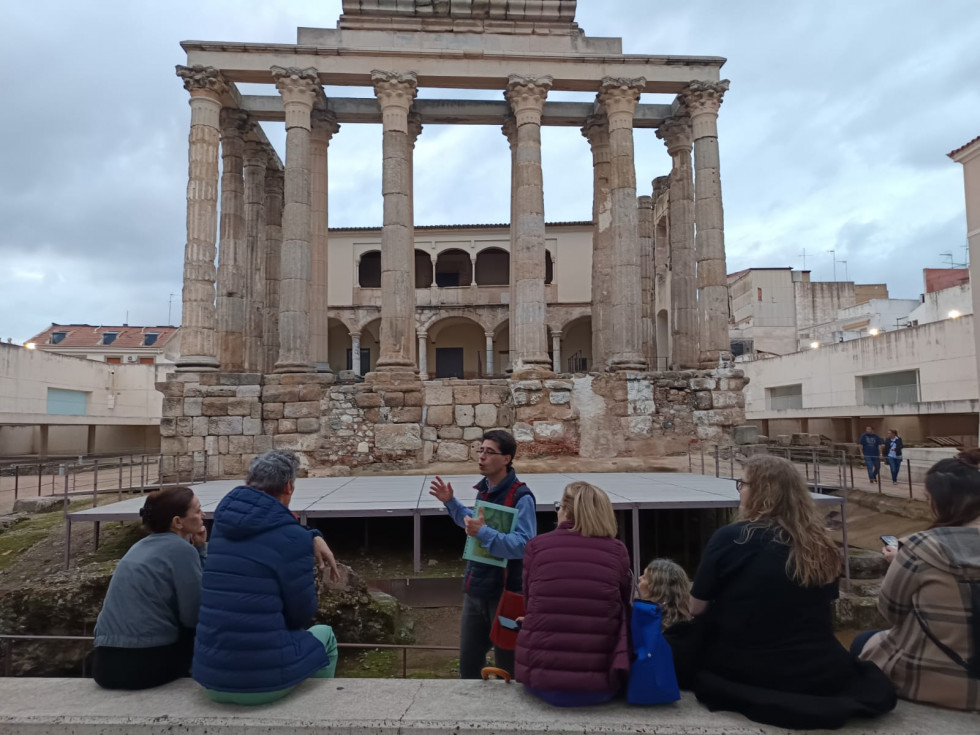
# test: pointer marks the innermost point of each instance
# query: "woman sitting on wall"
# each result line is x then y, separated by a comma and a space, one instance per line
767, 584
144, 636
931, 596
572, 648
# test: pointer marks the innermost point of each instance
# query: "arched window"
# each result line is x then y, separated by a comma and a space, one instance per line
369, 270
493, 267
453, 268
549, 267
423, 269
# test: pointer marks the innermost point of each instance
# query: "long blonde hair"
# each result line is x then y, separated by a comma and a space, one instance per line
589, 509
778, 499
668, 586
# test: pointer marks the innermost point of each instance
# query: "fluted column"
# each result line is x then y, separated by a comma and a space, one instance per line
395, 92
488, 336
355, 352
644, 208
619, 98
298, 89
509, 129
256, 159
231, 248
556, 350
661, 272
273, 260
423, 355
197, 333
702, 100
596, 131
526, 97
676, 133
323, 127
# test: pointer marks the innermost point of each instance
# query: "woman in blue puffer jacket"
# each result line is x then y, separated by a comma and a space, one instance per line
259, 593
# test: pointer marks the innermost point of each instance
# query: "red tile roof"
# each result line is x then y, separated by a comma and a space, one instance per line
963, 147
87, 335
489, 226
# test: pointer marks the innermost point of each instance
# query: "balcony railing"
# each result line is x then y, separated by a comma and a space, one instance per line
436, 296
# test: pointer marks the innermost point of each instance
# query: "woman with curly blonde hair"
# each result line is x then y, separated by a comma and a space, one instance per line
767, 584
666, 583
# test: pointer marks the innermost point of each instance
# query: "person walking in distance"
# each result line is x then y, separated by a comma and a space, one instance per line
893, 453
484, 583
871, 445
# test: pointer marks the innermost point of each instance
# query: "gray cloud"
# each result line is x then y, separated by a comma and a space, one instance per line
833, 136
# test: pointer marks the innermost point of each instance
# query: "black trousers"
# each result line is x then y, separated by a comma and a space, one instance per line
474, 638
143, 668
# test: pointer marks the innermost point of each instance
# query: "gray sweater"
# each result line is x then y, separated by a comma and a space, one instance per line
155, 591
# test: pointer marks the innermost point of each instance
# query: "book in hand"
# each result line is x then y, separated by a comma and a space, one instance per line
498, 517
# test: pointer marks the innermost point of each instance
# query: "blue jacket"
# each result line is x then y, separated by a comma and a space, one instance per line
258, 596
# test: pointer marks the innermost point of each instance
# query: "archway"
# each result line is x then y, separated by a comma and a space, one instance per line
492, 267
423, 269
456, 348
370, 345
338, 341
453, 268
369, 269
549, 267
576, 345
663, 341
501, 342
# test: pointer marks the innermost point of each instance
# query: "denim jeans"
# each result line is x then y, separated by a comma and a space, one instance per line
894, 464
874, 465
474, 638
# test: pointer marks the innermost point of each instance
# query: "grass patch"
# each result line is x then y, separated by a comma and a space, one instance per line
369, 664
33, 530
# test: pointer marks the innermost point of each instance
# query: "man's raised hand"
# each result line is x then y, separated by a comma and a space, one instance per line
473, 524
441, 490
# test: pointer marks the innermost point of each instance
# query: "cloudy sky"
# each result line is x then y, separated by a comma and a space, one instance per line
833, 137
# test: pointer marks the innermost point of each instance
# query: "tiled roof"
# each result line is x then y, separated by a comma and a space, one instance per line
963, 147
495, 225
87, 335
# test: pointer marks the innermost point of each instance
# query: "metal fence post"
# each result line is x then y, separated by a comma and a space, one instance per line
16, 480
702, 459
142, 473
39, 479
908, 469
717, 463
95, 483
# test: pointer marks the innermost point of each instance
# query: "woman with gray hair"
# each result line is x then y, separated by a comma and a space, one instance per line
259, 593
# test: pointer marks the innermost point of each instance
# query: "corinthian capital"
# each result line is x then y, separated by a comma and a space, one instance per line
619, 97
661, 185
202, 79
676, 133
414, 127
509, 129
395, 88
323, 125
527, 94
704, 97
596, 130
296, 85
235, 123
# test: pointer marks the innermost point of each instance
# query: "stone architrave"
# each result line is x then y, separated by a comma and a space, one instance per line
527, 97
232, 256
702, 100
256, 159
273, 258
323, 127
619, 98
395, 92
509, 129
596, 131
197, 334
676, 133
298, 88
644, 209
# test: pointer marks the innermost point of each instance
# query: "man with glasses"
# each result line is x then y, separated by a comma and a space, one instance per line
484, 583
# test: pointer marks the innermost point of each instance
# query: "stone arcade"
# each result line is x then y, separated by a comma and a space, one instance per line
254, 372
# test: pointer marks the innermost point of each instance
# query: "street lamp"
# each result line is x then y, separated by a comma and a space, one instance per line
814, 345
954, 314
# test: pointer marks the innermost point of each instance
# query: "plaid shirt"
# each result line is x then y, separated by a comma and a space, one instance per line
930, 575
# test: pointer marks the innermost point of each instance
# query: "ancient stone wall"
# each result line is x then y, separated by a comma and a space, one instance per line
222, 420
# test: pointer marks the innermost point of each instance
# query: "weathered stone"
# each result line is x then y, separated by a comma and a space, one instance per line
219, 391
170, 389
200, 426
173, 406
184, 426
701, 400
485, 415
240, 406
306, 409
224, 425
215, 407
450, 432
560, 397
452, 452
262, 443
193, 406
703, 384
273, 410
310, 392
366, 399
549, 430
286, 426
173, 445
466, 394
494, 394
429, 433
168, 426
472, 433
248, 391
523, 432
195, 444
745, 434
526, 385
240, 444
307, 425
42, 504
407, 414
394, 399
464, 416
559, 384
440, 415
415, 398
438, 395
280, 394
296, 442
398, 437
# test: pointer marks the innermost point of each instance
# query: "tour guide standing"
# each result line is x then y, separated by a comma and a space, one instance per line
484, 583
871, 448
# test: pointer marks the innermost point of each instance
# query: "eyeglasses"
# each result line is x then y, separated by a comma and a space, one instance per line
557, 506
491, 452
739, 484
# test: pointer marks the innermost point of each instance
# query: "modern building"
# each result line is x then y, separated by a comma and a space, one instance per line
111, 344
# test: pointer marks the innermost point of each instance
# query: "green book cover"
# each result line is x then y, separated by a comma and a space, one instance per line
498, 517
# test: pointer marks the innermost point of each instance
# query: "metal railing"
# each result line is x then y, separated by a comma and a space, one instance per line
7, 642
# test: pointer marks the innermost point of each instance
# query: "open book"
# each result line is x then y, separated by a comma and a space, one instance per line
498, 517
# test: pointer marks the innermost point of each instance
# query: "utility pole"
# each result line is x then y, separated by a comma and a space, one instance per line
804, 258
844, 263
833, 254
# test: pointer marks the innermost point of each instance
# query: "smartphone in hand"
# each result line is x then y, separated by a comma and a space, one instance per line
889, 541
508, 623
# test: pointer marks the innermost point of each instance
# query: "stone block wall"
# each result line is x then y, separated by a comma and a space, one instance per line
219, 421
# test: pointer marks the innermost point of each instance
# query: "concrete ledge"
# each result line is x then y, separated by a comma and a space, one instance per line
380, 706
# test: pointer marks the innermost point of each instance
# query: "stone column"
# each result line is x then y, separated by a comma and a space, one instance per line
644, 208
596, 131
489, 338
355, 352
423, 356
702, 100
526, 97
298, 88
256, 159
619, 98
231, 249
676, 133
509, 129
556, 350
395, 93
323, 127
197, 333
273, 259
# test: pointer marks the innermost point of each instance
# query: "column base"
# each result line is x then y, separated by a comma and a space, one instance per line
395, 366
634, 363
323, 367
197, 364
711, 359
529, 371
294, 367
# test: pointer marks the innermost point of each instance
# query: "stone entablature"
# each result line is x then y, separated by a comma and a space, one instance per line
461, 16
397, 418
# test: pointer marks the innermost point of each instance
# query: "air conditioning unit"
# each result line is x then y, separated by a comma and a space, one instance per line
131, 358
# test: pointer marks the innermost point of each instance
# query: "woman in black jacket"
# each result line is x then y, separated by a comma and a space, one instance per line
893, 453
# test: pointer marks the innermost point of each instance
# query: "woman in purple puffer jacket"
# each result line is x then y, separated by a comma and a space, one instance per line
572, 648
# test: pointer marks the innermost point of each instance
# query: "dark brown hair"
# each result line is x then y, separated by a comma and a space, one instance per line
505, 442
161, 507
954, 489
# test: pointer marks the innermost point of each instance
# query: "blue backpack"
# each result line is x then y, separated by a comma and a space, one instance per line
652, 676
